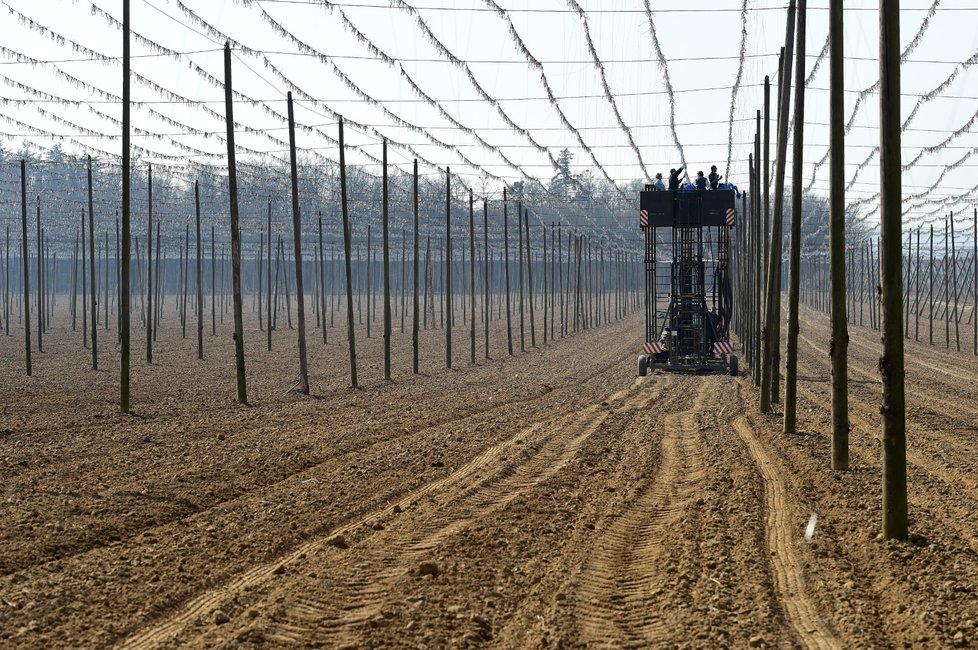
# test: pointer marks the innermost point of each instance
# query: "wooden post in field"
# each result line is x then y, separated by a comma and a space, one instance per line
322, 278
519, 231
546, 295
529, 276
974, 287
214, 288
472, 276
26, 264
916, 291
891, 363
448, 267
303, 384
268, 278
149, 268
839, 343
485, 259
931, 292
91, 253
794, 255
242, 389
261, 290
200, 276
509, 320
349, 272
40, 282
771, 349
954, 287
184, 291
416, 318
387, 275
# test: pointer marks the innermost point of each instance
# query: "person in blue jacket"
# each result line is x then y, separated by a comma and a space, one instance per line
700, 181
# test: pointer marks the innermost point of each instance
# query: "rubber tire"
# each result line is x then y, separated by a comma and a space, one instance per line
734, 367
643, 365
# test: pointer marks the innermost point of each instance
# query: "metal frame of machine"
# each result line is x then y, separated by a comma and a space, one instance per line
687, 328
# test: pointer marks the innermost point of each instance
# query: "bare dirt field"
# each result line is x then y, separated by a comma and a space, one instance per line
547, 500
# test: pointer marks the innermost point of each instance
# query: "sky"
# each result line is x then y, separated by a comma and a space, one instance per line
495, 89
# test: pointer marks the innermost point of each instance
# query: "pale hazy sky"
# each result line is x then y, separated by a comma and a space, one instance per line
699, 41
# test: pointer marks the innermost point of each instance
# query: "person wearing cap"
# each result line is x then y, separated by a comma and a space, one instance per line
658, 184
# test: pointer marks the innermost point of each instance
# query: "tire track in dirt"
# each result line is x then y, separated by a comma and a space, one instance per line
809, 627
619, 586
466, 477
363, 594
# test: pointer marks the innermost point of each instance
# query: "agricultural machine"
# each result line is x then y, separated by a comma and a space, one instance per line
688, 291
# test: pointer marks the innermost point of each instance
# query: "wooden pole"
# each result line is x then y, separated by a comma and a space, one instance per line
485, 261
771, 351
448, 267
91, 253
839, 343
349, 272
519, 231
26, 264
472, 277
149, 269
239, 356
891, 281
954, 285
322, 278
387, 275
268, 280
214, 287
794, 256
125, 289
509, 320
546, 311
529, 276
300, 294
974, 287
200, 276
416, 318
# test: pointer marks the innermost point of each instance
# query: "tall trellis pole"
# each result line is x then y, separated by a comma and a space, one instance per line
771, 345
891, 362
794, 255
242, 389
300, 294
839, 343
124, 288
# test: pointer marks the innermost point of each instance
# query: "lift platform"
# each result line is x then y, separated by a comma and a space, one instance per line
688, 283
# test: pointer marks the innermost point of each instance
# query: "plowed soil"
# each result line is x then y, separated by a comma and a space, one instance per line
546, 499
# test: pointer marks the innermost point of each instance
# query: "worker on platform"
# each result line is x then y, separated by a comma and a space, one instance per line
674, 175
700, 181
714, 178
658, 184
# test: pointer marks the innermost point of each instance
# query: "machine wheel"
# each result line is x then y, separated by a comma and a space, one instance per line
643, 365
733, 365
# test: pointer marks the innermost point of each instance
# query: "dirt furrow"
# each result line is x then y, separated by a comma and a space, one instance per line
361, 580
810, 628
616, 599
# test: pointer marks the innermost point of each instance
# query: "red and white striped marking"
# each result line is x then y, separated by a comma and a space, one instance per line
731, 216
643, 218
723, 347
653, 347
